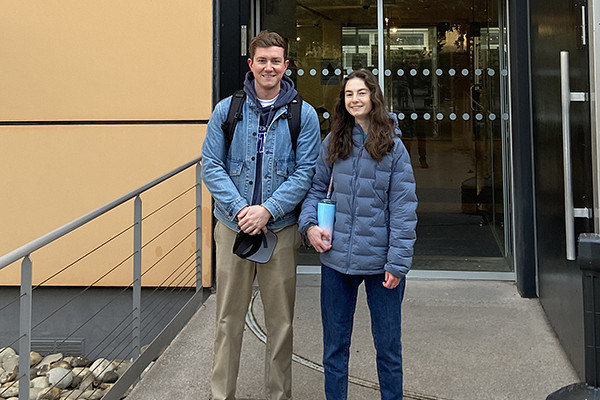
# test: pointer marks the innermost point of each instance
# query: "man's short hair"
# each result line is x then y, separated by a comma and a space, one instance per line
267, 39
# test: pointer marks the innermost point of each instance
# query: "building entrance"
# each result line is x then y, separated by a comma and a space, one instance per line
443, 69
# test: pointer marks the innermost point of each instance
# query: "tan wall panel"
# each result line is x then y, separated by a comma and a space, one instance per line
54, 174
105, 59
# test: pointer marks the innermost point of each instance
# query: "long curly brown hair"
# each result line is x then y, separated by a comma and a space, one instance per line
379, 139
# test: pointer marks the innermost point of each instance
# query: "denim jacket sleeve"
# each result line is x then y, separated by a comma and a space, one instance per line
403, 214
214, 171
317, 191
291, 192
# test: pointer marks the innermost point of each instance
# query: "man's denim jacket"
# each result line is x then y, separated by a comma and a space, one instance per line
286, 176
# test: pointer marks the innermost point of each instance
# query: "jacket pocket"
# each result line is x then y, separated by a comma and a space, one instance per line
284, 168
235, 167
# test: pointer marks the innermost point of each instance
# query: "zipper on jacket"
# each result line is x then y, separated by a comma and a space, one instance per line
354, 183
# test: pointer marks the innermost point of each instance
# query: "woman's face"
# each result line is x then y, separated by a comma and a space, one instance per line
358, 99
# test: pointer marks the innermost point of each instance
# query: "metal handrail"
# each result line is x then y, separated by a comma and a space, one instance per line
25, 307
40, 242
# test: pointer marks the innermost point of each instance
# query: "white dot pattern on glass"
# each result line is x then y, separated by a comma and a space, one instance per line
401, 72
439, 72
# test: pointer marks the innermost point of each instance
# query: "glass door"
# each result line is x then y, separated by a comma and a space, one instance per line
442, 73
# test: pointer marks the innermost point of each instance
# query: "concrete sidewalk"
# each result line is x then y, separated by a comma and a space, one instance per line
461, 340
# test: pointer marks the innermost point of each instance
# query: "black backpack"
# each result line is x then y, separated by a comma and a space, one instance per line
235, 114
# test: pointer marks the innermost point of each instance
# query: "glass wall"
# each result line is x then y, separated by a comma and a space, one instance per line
443, 71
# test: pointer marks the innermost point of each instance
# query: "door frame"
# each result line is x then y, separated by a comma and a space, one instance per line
256, 25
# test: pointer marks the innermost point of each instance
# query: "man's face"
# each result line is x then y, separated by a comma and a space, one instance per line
268, 67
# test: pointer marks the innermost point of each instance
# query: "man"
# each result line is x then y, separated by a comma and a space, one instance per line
257, 182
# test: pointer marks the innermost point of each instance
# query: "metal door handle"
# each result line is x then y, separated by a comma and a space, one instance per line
570, 211
565, 97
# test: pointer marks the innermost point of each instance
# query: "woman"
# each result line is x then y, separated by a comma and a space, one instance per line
369, 169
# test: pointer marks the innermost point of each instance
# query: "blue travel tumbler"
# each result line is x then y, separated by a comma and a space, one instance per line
326, 217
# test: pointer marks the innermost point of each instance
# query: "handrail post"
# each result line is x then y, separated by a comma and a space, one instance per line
25, 327
137, 276
198, 227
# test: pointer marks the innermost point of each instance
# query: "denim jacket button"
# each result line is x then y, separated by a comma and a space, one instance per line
253, 133
250, 182
252, 158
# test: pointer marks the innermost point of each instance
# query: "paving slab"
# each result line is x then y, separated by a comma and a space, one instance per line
461, 340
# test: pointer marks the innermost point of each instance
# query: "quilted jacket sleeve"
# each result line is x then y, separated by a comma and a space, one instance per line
317, 191
403, 214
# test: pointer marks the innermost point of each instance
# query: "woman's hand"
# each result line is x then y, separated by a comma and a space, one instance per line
315, 236
391, 281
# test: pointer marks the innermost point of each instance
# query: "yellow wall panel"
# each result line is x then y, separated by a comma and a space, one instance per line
105, 60
54, 174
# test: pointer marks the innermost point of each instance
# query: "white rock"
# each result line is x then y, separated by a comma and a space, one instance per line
100, 367
85, 377
40, 382
10, 391
34, 392
49, 394
7, 376
11, 363
122, 366
6, 352
60, 377
93, 394
34, 358
75, 394
51, 358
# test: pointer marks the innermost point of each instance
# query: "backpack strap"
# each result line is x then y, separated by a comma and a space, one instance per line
234, 114
294, 113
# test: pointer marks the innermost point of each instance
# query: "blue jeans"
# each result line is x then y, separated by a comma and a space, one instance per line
338, 303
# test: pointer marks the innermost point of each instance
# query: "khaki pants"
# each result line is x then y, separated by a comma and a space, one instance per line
277, 283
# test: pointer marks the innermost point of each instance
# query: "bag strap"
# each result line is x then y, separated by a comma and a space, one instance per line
234, 114
330, 187
294, 113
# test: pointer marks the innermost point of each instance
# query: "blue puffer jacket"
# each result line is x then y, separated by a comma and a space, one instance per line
376, 204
